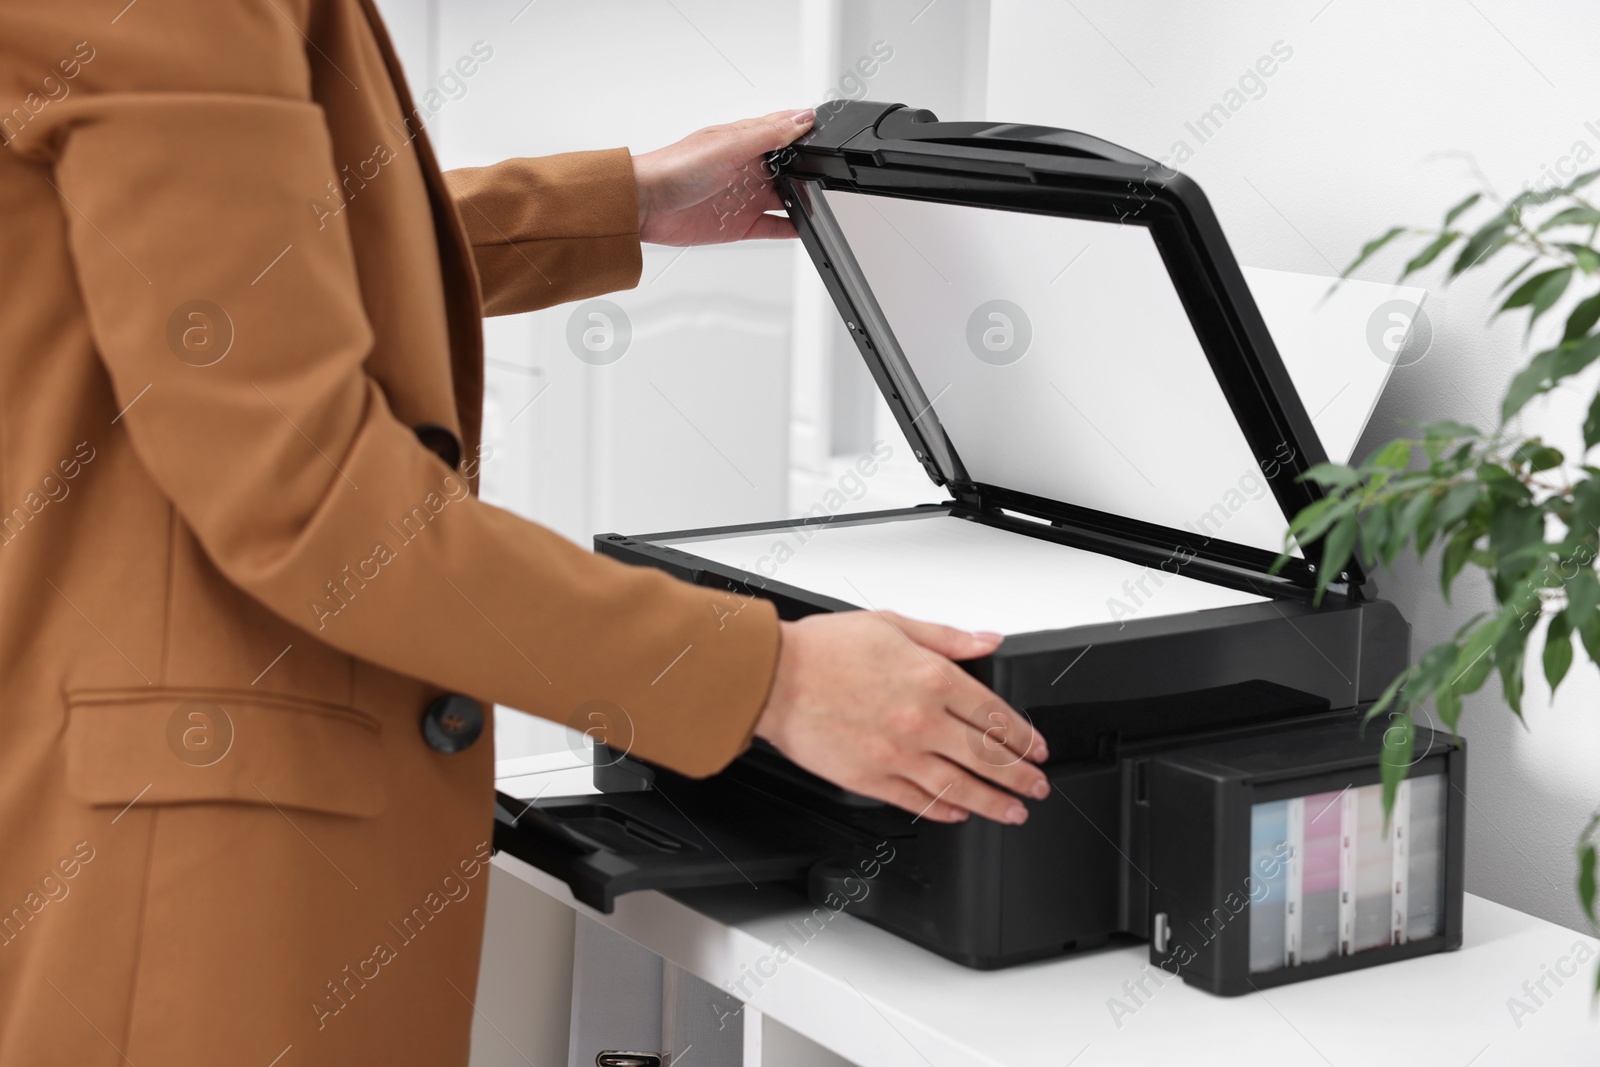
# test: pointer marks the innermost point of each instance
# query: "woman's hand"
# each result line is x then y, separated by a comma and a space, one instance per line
872, 702
714, 185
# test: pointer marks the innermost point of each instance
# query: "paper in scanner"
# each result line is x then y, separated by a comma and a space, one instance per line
940, 568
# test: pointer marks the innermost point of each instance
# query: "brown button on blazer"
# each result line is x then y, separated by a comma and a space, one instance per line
233, 283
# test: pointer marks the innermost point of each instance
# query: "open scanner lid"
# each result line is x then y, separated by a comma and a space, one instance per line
1060, 329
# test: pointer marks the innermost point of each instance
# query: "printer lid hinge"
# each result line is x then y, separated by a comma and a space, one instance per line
969, 496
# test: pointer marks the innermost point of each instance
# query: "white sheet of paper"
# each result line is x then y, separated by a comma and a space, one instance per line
949, 570
1322, 338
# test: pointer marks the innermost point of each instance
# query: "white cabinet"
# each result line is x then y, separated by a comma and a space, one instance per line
625, 997
689, 425
687, 428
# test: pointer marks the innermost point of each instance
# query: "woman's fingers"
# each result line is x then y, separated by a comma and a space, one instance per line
769, 227
908, 796
763, 198
1003, 732
1002, 735
965, 746
953, 785
867, 700
771, 132
946, 640
690, 191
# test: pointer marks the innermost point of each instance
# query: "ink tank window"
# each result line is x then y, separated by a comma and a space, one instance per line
1328, 879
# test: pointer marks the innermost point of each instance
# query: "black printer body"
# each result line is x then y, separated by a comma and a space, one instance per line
1215, 791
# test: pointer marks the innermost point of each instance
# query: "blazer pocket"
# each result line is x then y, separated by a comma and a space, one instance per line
163, 745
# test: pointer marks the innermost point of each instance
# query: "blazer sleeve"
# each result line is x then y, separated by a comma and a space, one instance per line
545, 231
184, 160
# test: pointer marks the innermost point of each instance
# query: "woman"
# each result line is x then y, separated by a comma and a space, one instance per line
253, 611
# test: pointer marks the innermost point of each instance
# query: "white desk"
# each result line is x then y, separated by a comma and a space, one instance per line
882, 1002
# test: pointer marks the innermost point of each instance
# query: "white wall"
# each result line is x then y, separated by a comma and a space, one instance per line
1352, 133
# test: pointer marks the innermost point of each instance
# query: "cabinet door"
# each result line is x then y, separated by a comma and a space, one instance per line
625, 997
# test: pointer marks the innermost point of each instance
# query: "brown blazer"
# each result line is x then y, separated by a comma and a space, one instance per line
239, 355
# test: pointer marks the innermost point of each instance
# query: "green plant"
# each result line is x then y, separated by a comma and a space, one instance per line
1496, 499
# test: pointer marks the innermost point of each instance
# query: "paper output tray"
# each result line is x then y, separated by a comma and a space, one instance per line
680, 834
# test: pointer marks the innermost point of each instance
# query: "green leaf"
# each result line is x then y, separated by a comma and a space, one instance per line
1535, 197
1502, 483
1455, 557
1586, 879
1371, 248
1581, 180
1447, 702
1430, 252
1457, 501
1532, 380
1539, 293
1583, 318
1437, 437
1584, 258
1586, 867
1472, 663
1398, 742
1583, 597
1331, 476
1586, 501
1589, 631
1450, 428
1388, 697
1460, 209
1573, 356
1582, 215
1376, 523
1513, 531
1591, 424
1407, 524
1557, 650
1393, 456
1336, 549
1519, 272
1508, 660
1523, 295
1475, 671
1548, 294
1489, 239
1434, 670
1315, 519
1544, 458
1427, 529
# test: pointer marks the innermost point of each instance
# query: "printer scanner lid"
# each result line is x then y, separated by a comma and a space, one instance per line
1060, 328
